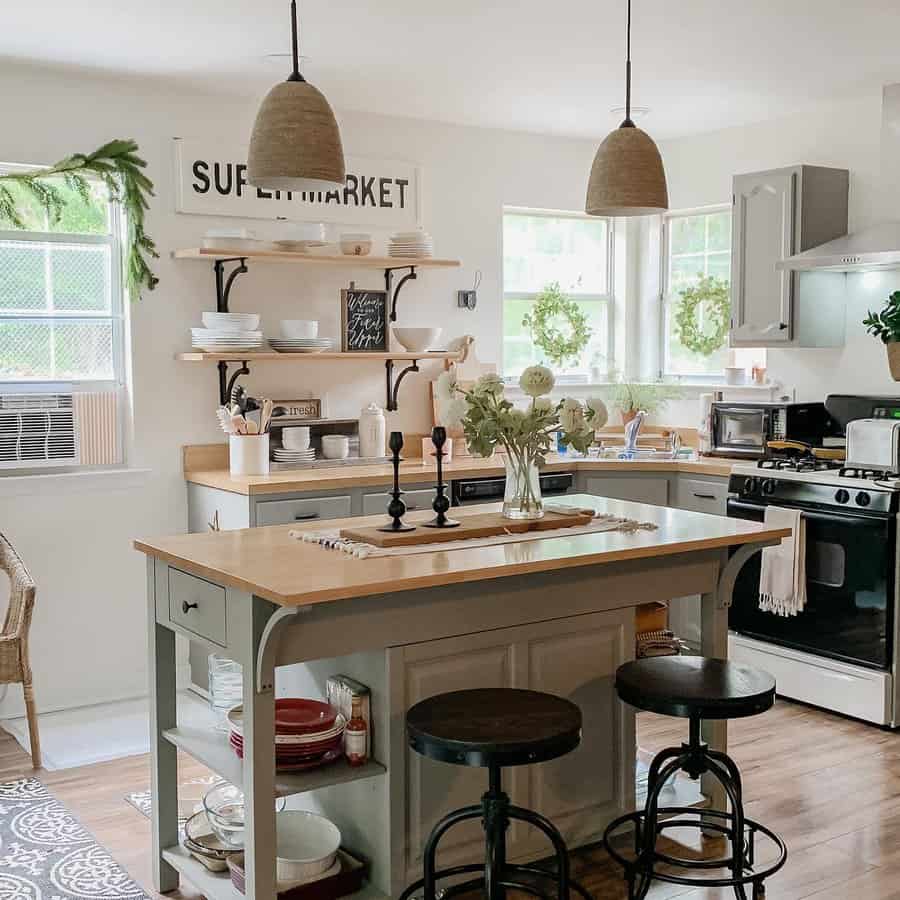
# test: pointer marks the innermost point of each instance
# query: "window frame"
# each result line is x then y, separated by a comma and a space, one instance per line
608, 297
114, 239
664, 292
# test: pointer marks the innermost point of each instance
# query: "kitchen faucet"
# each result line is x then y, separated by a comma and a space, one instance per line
632, 430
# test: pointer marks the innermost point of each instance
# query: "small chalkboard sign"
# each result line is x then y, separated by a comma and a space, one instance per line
364, 321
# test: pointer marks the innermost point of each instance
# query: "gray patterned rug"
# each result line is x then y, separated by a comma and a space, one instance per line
46, 854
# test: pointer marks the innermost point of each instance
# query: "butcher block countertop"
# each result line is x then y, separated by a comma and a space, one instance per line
208, 466
270, 563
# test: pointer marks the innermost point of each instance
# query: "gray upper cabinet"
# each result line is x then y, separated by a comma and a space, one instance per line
776, 214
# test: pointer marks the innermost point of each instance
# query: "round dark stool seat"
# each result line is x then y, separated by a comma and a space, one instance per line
690, 686
695, 688
494, 726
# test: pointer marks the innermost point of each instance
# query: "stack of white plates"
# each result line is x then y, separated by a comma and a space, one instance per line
220, 341
300, 345
282, 454
416, 244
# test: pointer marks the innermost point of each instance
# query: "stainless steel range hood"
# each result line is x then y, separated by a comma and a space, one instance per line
876, 247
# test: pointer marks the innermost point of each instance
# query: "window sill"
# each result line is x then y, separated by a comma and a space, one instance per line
64, 483
689, 387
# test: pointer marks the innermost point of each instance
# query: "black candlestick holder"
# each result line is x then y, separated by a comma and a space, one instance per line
441, 502
396, 508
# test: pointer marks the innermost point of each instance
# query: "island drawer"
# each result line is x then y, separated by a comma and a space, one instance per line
284, 512
373, 504
198, 606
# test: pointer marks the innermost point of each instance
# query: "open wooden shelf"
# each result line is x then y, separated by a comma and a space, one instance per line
318, 259
269, 356
218, 886
211, 747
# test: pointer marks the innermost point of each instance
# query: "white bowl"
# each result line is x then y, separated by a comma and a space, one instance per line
335, 446
417, 339
306, 844
298, 329
310, 233
217, 321
295, 438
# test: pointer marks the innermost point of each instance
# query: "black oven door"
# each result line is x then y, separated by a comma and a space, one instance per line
849, 611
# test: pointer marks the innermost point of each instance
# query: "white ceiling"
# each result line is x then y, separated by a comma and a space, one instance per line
531, 65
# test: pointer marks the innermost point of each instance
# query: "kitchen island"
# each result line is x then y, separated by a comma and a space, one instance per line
553, 614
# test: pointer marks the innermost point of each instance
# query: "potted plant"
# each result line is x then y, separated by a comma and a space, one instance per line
886, 325
489, 420
631, 396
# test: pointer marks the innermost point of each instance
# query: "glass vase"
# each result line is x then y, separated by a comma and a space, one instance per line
522, 498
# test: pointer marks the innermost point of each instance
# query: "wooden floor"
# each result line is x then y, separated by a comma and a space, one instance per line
829, 786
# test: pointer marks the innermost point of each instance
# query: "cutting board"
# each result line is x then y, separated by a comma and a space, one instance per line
474, 526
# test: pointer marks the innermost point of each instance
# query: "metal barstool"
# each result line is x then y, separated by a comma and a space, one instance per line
695, 688
495, 728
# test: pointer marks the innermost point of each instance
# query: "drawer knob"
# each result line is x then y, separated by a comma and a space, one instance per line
187, 607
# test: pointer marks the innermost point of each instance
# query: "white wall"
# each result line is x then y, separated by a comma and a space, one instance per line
846, 135
89, 627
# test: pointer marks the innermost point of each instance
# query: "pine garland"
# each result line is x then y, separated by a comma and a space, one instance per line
117, 165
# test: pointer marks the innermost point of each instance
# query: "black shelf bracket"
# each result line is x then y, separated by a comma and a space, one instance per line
225, 383
392, 291
393, 387
223, 284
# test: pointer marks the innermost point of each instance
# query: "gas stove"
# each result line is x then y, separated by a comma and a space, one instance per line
820, 485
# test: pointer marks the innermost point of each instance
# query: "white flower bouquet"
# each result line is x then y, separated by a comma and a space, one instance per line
489, 420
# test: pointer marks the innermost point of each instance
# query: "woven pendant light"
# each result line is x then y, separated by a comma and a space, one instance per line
296, 144
627, 177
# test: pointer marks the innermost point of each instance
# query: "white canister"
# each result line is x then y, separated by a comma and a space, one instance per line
249, 454
372, 432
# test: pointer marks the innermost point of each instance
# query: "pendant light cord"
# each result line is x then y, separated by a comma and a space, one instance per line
295, 44
628, 123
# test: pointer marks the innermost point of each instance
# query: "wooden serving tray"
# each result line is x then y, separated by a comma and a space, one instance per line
475, 526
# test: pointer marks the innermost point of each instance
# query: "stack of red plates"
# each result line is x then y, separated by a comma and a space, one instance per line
308, 733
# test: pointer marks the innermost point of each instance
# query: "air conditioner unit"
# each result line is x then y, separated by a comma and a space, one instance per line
57, 427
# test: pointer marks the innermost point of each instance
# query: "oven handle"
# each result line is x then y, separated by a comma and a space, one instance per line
853, 520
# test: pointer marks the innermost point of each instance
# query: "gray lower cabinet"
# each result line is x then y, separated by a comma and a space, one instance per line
414, 498
707, 495
573, 657
640, 488
303, 509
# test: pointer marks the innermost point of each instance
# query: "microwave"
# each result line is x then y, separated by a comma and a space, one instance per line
745, 429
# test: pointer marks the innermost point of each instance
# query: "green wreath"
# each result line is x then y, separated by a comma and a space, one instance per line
715, 297
542, 320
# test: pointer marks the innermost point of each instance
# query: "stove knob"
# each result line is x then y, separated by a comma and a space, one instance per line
768, 486
750, 485
863, 499
842, 496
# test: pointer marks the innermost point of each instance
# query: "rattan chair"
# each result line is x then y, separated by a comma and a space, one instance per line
14, 663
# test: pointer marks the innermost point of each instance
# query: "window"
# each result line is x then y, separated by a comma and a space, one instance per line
575, 250
61, 316
695, 244
61, 333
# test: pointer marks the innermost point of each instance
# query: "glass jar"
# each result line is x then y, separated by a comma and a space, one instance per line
522, 497
226, 687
